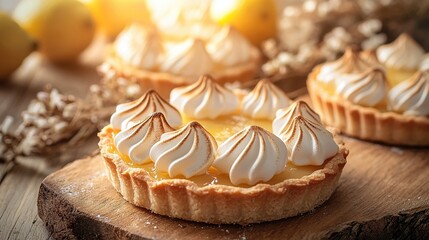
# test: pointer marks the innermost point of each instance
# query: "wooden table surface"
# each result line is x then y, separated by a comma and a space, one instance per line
20, 182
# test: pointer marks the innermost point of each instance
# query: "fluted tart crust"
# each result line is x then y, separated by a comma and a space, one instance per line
367, 123
184, 199
164, 82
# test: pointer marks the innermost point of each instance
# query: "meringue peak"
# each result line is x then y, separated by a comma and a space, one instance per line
128, 113
264, 100
229, 47
349, 63
189, 59
186, 152
286, 115
403, 53
136, 141
308, 142
204, 99
139, 46
251, 156
411, 97
368, 88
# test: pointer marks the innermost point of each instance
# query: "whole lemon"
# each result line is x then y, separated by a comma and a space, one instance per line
111, 16
15, 45
63, 28
255, 19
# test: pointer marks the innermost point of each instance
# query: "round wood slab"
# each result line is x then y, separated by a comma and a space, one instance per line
383, 192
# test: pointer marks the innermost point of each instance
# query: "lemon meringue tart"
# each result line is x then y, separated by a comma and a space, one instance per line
210, 156
143, 55
355, 95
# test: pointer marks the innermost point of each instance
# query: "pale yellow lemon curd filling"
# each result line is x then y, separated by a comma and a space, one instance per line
395, 76
222, 128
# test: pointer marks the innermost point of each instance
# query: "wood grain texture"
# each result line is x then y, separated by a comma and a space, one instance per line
19, 182
383, 193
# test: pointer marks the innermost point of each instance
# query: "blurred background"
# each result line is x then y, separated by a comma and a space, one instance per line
58, 49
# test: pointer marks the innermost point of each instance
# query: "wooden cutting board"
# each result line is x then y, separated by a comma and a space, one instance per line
383, 192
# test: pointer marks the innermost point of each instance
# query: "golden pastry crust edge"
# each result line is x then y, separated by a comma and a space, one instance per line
367, 123
220, 204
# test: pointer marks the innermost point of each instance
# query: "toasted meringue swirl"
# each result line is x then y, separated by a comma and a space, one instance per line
127, 114
308, 142
136, 141
349, 63
403, 53
251, 156
139, 47
186, 152
286, 115
368, 88
204, 99
425, 63
189, 59
264, 100
411, 97
229, 47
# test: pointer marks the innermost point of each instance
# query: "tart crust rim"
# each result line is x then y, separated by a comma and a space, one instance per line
353, 119
164, 82
159, 195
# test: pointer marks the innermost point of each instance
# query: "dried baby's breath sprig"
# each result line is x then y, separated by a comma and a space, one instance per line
315, 31
51, 124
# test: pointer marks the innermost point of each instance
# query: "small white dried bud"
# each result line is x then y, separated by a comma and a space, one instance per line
41, 123
60, 127
53, 120
309, 6
94, 88
69, 110
43, 96
370, 27
6, 124
133, 90
285, 58
29, 142
306, 52
338, 39
270, 68
56, 99
291, 11
270, 47
37, 107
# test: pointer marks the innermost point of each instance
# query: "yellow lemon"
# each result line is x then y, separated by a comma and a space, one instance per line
63, 28
111, 16
15, 45
255, 19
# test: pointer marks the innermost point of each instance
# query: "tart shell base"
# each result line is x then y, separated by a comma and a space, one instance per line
164, 82
365, 122
221, 204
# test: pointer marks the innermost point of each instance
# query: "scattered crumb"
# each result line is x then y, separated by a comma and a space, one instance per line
397, 150
181, 226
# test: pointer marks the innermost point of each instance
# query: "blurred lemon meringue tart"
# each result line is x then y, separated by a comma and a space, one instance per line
143, 55
210, 156
385, 101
